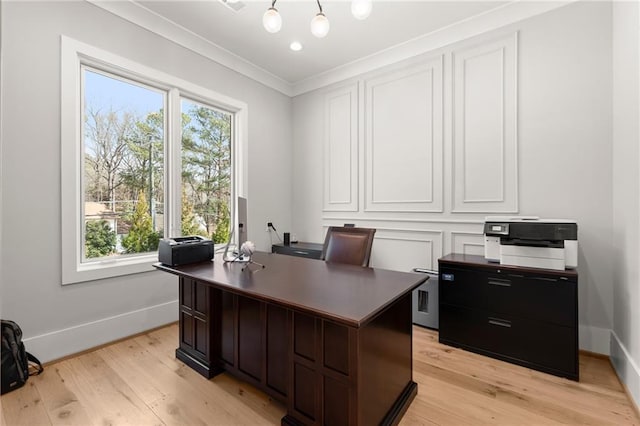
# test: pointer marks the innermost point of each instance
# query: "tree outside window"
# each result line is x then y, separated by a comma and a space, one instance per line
124, 128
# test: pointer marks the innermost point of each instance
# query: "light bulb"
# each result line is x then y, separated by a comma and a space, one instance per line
296, 46
319, 25
361, 9
272, 20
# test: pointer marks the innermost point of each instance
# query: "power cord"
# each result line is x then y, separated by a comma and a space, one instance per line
270, 225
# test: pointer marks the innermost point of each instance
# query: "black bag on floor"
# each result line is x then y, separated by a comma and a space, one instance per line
15, 359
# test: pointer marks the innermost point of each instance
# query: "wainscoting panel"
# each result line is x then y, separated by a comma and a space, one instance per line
467, 243
485, 172
341, 149
404, 139
402, 245
405, 249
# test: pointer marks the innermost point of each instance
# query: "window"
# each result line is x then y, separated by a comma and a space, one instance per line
122, 182
206, 171
144, 155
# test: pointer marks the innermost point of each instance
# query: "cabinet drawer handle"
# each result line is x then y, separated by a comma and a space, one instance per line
301, 252
501, 323
553, 280
504, 283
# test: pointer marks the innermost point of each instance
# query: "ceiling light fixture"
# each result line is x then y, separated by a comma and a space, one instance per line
361, 9
272, 20
320, 24
296, 46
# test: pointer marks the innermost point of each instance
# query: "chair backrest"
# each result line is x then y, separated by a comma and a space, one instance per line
348, 245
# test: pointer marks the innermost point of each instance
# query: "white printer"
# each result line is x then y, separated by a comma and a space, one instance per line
531, 242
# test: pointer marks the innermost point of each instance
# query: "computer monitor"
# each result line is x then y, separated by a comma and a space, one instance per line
242, 220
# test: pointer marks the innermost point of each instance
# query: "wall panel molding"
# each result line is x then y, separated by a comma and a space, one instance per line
467, 242
368, 218
405, 249
484, 127
399, 243
341, 149
404, 139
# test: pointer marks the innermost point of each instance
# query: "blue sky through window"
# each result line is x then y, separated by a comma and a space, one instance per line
104, 93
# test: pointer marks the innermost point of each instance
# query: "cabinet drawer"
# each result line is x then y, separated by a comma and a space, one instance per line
539, 345
544, 298
462, 326
463, 287
530, 342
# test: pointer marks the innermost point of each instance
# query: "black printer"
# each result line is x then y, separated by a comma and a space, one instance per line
182, 250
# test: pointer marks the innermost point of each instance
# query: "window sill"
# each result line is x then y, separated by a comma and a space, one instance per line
102, 269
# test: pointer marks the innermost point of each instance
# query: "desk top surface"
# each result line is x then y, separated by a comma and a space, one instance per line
345, 293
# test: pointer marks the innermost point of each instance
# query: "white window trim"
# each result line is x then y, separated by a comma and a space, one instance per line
74, 53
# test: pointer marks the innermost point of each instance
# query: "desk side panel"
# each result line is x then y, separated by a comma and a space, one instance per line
385, 364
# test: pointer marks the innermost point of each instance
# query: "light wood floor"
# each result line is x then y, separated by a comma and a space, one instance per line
138, 381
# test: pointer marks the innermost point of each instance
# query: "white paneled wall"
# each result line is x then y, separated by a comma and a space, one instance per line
467, 242
404, 140
341, 150
384, 151
515, 121
485, 154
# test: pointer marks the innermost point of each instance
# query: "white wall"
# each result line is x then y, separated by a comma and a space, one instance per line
59, 320
564, 158
625, 341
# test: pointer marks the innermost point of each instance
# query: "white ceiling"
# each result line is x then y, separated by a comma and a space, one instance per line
241, 33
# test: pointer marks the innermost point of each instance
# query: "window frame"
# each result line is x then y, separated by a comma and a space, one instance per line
74, 56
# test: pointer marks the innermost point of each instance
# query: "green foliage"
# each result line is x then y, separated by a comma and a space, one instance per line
100, 239
143, 166
141, 237
206, 159
221, 234
188, 225
125, 156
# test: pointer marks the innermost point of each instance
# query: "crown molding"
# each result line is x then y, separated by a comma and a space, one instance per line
501, 16
493, 19
139, 15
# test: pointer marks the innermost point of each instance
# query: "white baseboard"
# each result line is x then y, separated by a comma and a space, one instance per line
594, 339
627, 369
61, 343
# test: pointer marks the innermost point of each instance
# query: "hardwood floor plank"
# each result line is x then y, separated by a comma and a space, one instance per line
139, 381
61, 403
427, 410
24, 406
106, 396
522, 403
246, 400
583, 396
3, 421
172, 398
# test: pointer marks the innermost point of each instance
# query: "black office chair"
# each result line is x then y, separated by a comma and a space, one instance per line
348, 245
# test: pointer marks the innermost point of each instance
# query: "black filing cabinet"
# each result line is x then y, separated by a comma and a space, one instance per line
526, 316
308, 250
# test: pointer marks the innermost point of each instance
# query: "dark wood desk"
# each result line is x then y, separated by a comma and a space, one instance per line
331, 341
